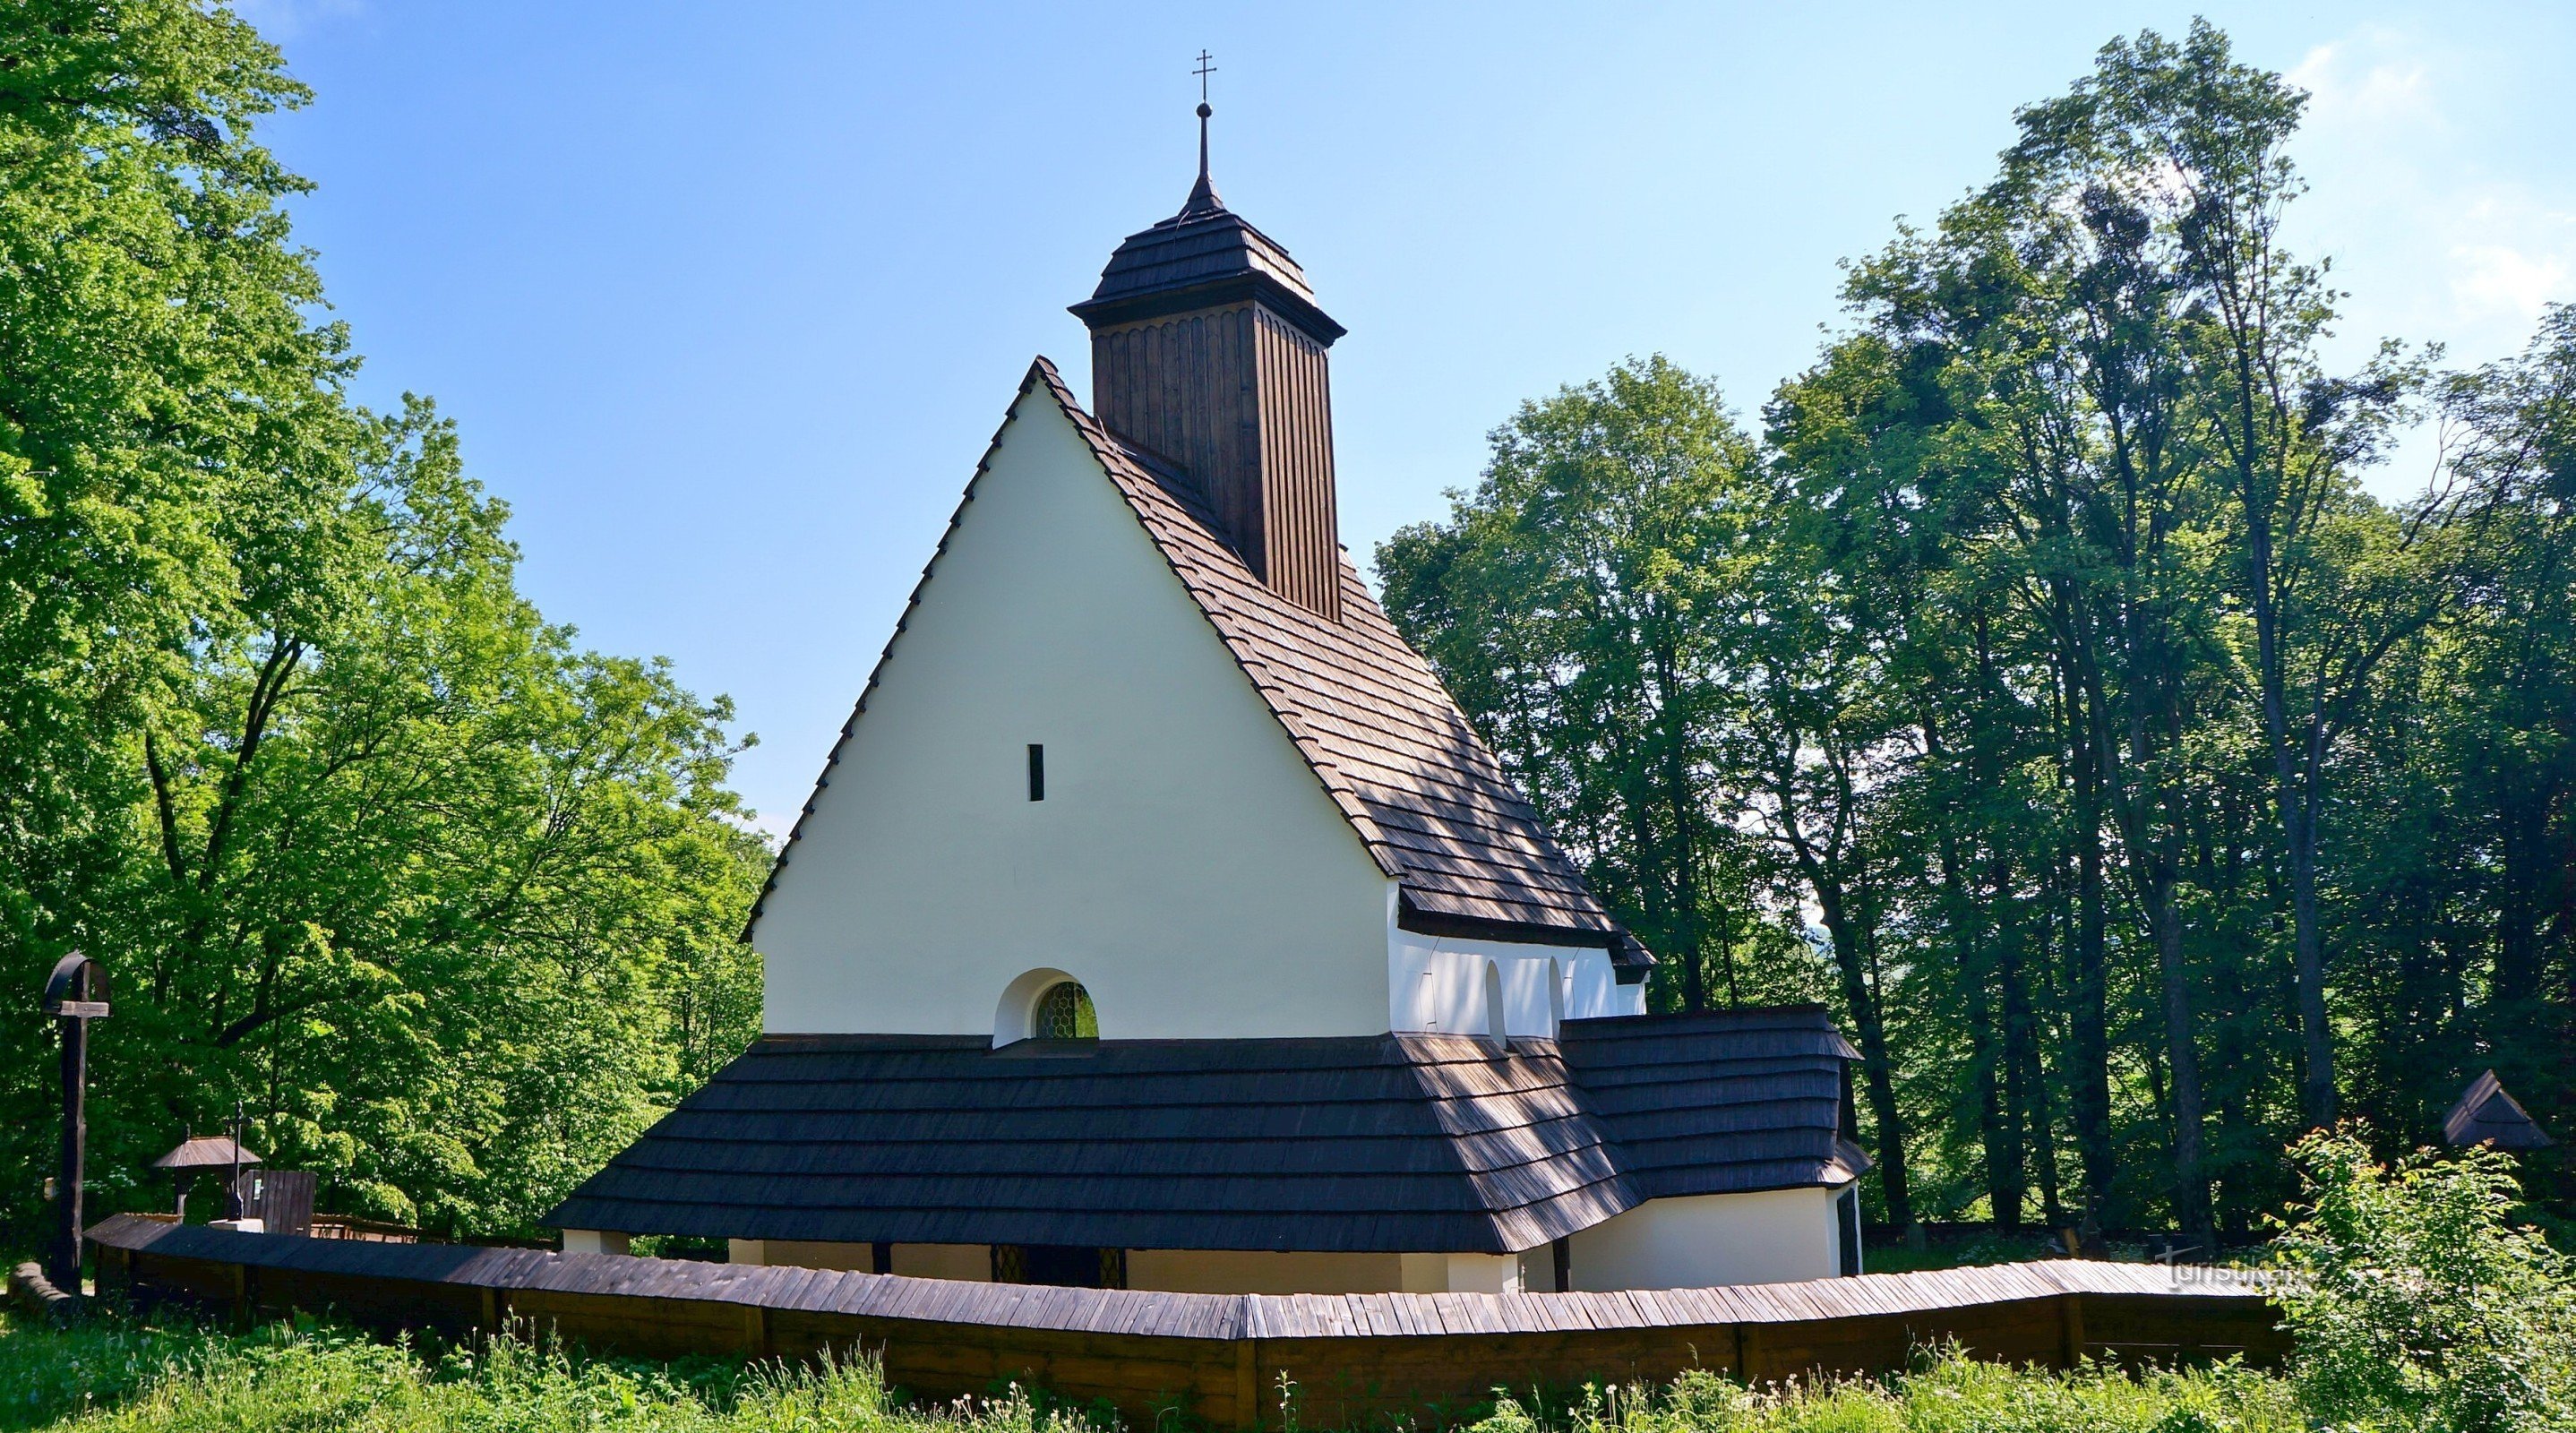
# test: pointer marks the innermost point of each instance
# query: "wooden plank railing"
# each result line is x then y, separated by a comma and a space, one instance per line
1220, 1358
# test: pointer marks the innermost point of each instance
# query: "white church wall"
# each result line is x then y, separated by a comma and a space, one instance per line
1437, 983
1697, 1240
1483, 1274
1185, 864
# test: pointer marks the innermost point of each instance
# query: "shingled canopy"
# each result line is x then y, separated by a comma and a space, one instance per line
1404, 1143
205, 1151
2489, 1116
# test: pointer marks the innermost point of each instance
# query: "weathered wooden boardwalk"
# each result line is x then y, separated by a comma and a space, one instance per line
1217, 1357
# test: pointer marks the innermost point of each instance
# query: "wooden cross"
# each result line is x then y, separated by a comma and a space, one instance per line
75, 995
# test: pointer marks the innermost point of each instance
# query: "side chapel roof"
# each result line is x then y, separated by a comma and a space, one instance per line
1404, 1143
1391, 748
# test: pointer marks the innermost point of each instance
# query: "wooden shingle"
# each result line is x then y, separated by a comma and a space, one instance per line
1397, 1143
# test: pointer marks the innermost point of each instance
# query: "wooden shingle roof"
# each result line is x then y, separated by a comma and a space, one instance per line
1407, 1143
1372, 721
1719, 1102
2487, 1114
1177, 1315
205, 1151
1206, 254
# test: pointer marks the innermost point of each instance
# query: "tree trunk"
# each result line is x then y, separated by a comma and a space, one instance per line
1876, 1072
2087, 1017
2007, 1170
2191, 1185
1683, 806
1986, 1044
2292, 795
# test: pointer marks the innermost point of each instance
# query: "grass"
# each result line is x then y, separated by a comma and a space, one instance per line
135, 1376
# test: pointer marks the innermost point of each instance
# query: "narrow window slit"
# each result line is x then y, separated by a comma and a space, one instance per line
1037, 772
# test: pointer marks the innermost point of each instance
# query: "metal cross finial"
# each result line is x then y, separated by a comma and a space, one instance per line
1204, 196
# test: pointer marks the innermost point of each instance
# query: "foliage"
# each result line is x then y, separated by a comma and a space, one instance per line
295, 1377
2417, 1303
1575, 603
2046, 688
367, 845
1949, 1394
300, 1375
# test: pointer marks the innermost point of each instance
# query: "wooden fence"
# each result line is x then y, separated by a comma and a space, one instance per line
1217, 1358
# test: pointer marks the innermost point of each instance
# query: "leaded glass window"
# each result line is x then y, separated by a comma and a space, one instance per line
1064, 1013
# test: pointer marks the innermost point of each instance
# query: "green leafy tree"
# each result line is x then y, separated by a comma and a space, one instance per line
2415, 1299
446, 902
2056, 663
1572, 602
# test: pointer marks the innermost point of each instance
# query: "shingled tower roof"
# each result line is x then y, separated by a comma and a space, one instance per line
1202, 256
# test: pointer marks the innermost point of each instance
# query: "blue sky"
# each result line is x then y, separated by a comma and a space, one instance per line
728, 299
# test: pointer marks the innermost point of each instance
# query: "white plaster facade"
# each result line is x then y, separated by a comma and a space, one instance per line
1698, 1240
1185, 865
1437, 983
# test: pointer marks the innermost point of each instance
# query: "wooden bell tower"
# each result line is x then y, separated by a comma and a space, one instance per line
1208, 351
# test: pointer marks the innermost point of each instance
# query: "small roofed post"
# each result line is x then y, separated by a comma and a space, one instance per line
197, 1154
232, 1181
2487, 1115
75, 994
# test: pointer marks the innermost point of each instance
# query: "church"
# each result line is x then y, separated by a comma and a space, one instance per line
1158, 921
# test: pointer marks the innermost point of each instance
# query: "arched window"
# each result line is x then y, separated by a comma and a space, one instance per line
1063, 1012
1044, 1004
1495, 1032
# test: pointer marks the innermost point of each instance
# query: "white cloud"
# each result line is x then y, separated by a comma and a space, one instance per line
2438, 232
2498, 280
2432, 241
2356, 80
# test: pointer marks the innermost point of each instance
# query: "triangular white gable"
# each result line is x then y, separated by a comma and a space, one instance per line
1186, 864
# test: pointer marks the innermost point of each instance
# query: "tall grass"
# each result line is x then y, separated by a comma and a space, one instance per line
302, 1376
124, 1375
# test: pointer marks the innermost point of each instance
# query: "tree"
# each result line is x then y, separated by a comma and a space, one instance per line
1571, 602
369, 846
2060, 668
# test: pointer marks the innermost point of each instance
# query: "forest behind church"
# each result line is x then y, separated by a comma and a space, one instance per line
2032, 679
2036, 680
